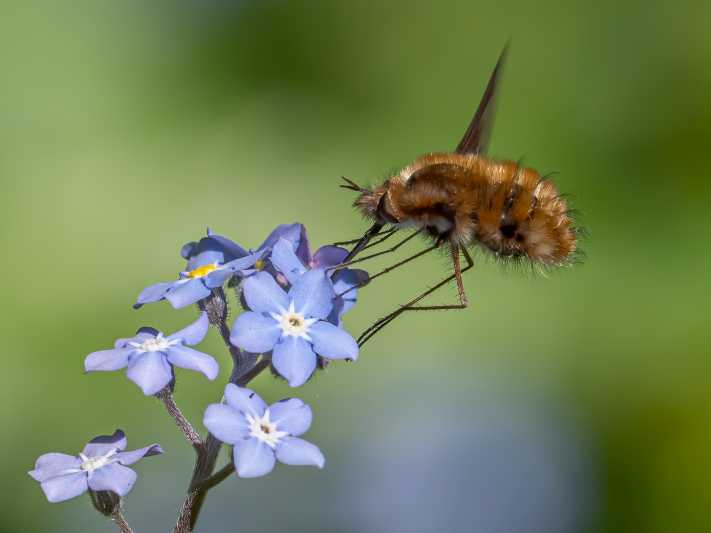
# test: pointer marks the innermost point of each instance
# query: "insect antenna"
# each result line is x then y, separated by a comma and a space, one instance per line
351, 185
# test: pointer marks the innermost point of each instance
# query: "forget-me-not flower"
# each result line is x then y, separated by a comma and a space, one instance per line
292, 266
101, 465
262, 435
292, 326
150, 356
211, 262
294, 234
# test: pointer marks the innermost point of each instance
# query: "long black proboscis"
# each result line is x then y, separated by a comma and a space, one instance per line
363, 242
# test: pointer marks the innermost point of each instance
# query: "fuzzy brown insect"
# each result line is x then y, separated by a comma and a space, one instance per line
463, 199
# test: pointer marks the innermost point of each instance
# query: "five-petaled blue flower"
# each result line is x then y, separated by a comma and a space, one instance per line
215, 259
211, 262
150, 356
260, 434
292, 264
292, 325
100, 466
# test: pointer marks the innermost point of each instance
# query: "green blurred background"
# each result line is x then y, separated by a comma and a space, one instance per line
126, 128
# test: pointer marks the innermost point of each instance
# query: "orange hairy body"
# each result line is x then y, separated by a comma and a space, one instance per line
468, 199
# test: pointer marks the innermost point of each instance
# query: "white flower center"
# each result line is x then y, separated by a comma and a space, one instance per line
294, 324
265, 430
89, 464
154, 344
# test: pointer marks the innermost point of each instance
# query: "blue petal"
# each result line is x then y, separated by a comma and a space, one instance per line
332, 342
53, 464
154, 292
291, 415
303, 250
294, 359
194, 333
213, 249
298, 452
128, 458
104, 444
142, 335
114, 477
328, 256
313, 294
245, 400
255, 333
61, 488
188, 249
263, 295
107, 360
285, 260
217, 278
190, 359
188, 292
226, 423
150, 371
290, 232
253, 458
231, 249
240, 267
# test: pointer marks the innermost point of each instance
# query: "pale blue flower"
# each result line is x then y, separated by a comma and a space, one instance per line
101, 465
262, 435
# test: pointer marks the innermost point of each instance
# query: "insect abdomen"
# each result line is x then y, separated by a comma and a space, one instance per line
517, 213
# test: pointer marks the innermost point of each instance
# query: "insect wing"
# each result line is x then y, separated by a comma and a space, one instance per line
476, 138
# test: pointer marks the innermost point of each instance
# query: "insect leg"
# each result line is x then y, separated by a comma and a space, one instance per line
410, 306
384, 235
347, 261
389, 269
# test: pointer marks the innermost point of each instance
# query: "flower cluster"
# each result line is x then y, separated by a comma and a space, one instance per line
293, 302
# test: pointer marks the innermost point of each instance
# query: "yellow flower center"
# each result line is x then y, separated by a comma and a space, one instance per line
201, 271
259, 264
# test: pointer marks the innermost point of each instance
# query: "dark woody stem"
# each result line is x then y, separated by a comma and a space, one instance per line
244, 369
193, 437
109, 504
120, 521
216, 478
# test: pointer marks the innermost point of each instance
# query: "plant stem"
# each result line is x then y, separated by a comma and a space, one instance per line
120, 521
243, 371
217, 478
193, 437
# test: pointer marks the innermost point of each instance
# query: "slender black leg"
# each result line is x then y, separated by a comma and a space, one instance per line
389, 269
410, 306
384, 234
348, 262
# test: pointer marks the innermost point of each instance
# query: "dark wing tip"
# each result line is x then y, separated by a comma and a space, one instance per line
476, 138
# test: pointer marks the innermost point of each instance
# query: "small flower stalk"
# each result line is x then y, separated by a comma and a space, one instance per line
292, 322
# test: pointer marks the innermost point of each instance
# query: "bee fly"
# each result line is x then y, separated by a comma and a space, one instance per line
461, 199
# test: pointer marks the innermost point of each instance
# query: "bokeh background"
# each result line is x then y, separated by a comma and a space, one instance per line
570, 403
